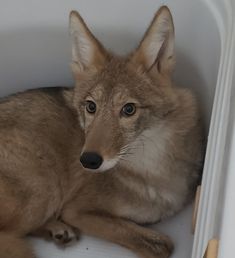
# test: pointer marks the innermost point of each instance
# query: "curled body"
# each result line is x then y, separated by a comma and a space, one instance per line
124, 147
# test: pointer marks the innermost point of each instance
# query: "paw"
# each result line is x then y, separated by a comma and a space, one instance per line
158, 246
64, 235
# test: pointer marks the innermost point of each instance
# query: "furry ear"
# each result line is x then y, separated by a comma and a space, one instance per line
87, 51
156, 50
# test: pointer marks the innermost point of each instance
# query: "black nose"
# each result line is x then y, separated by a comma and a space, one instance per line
91, 160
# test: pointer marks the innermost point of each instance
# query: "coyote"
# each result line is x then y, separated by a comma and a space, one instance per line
121, 149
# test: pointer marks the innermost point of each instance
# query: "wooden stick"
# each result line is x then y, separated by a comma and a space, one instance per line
195, 208
212, 249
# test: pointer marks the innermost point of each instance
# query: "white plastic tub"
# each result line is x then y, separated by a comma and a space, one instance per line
35, 52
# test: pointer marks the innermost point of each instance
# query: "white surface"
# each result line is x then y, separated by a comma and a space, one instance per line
35, 34
227, 209
35, 52
214, 220
178, 227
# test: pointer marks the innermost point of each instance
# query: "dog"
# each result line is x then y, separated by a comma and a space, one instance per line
121, 149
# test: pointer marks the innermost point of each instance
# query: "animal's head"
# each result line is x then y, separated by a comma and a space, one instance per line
117, 98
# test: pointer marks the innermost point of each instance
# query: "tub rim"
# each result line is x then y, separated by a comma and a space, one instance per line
218, 147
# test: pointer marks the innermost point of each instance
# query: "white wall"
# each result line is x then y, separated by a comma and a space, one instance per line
35, 46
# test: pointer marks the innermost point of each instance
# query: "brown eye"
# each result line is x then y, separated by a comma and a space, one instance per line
90, 107
129, 109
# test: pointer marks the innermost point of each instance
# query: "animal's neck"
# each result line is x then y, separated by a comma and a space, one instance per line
148, 151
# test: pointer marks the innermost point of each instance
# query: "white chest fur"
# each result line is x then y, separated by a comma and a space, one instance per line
148, 158
148, 150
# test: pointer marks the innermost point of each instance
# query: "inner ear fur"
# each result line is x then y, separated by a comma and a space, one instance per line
88, 54
155, 52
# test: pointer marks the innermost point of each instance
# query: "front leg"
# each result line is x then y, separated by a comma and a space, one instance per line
144, 242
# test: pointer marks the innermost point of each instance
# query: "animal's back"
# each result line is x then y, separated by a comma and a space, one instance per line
36, 130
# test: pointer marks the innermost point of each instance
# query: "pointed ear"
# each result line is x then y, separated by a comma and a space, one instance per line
156, 50
87, 51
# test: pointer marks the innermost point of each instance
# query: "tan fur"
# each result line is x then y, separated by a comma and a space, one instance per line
152, 160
